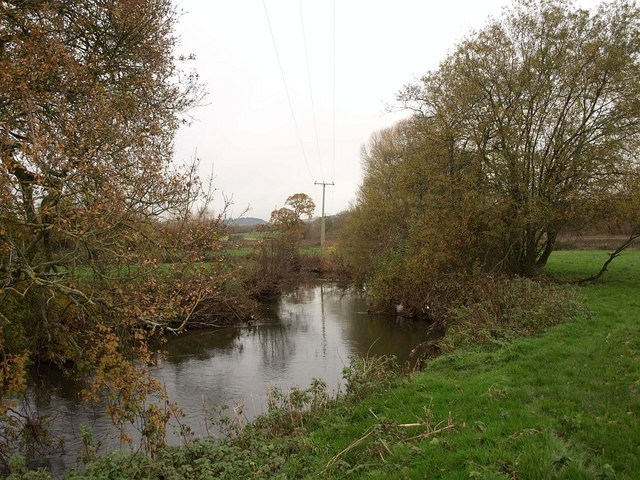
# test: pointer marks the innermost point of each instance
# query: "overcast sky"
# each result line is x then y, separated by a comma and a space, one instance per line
246, 135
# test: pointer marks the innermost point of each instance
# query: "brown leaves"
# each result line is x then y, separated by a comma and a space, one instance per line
288, 220
527, 129
90, 205
126, 386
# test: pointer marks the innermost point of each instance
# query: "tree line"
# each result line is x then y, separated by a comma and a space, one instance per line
530, 127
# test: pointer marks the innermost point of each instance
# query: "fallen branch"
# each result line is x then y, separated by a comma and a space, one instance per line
613, 255
429, 433
352, 446
436, 431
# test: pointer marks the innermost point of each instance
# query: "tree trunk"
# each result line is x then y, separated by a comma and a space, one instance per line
548, 249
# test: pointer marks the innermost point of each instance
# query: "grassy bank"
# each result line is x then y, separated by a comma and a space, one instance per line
563, 404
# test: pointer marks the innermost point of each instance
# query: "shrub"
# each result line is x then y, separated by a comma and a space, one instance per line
501, 309
368, 375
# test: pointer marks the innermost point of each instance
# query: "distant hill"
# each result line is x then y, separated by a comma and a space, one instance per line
246, 221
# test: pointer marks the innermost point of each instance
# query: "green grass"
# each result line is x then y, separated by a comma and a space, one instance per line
565, 404
260, 235
236, 252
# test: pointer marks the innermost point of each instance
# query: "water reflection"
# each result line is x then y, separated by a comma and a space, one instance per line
310, 333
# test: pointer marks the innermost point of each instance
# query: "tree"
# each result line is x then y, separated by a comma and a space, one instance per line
277, 256
289, 221
418, 227
302, 204
545, 103
90, 203
379, 219
531, 126
284, 220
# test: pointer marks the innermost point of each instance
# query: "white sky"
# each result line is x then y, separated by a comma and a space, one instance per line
245, 134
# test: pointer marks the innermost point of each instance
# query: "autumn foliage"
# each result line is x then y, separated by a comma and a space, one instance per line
101, 235
530, 127
288, 220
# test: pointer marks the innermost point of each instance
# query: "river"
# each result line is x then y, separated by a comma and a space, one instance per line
308, 333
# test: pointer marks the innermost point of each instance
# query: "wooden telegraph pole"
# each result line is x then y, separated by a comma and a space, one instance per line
324, 185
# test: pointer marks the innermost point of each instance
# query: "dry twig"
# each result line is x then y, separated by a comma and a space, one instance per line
430, 432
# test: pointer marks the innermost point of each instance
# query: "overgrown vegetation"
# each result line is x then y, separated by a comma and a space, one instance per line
564, 404
498, 311
527, 129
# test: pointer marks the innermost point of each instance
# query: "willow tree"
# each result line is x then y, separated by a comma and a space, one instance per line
531, 126
545, 103
379, 219
420, 227
91, 94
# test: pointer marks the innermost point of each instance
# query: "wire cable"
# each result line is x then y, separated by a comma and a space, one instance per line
313, 105
286, 89
334, 92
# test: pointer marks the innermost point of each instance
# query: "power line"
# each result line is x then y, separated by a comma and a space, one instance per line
284, 82
313, 105
333, 163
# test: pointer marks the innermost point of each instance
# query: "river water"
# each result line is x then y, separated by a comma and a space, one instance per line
309, 333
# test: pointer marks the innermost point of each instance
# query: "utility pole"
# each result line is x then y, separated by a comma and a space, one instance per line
324, 185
